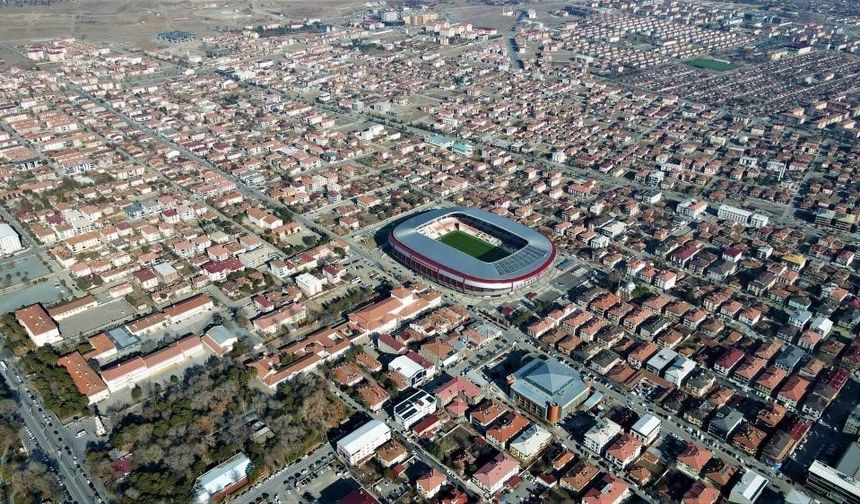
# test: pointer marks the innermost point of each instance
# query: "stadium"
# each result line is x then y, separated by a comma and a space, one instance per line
471, 250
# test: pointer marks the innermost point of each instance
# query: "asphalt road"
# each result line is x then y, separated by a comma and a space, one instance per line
408, 438
274, 484
53, 445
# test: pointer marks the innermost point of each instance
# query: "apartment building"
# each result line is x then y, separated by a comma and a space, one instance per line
10, 242
741, 216
38, 325
360, 444
600, 435
129, 373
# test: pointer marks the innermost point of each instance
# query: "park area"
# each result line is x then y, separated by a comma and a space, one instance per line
711, 64
474, 246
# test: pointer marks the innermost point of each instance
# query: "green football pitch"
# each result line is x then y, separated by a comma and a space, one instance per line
473, 246
710, 64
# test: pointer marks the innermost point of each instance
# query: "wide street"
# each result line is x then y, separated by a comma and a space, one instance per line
52, 437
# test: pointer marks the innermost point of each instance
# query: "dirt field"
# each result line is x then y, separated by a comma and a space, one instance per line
137, 22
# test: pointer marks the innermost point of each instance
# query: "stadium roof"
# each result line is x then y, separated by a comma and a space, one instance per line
548, 381
537, 252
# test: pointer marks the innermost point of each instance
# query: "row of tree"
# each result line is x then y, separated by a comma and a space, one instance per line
23, 480
40, 364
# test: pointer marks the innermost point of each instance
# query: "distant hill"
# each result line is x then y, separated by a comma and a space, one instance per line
28, 3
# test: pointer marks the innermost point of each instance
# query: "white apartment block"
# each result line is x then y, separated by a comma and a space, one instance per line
363, 442
414, 408
691, 208
601, 434
646, 429
309, 284
741, 216
10, 242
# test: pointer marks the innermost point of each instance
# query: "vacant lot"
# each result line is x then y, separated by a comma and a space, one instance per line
137, 22
473, 246
710, 64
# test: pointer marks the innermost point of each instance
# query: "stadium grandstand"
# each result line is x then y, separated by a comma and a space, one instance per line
471, 250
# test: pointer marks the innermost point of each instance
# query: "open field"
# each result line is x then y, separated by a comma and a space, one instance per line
473, 246
710, 64
138, 22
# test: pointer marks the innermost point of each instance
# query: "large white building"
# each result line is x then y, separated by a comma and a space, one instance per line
222, 479
10, 242
415, 407
646, 429
741, 216
840, 483
748, 489
363, 442
601, 434
309, 284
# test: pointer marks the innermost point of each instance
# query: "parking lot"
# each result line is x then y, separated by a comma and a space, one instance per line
316, 478
47, 293
26, 265
97, 318
325, 480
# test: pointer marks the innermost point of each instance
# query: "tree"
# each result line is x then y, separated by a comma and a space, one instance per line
22, 480
522, 318
136, 392
435, 449
310, 240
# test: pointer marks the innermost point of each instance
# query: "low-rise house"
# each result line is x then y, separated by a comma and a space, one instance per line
373, 395
493, 475
701, 493
430, 484
530, 443
608, 490
623, 451
793, 390
506, 429
391, 452
693, 460
577, 478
